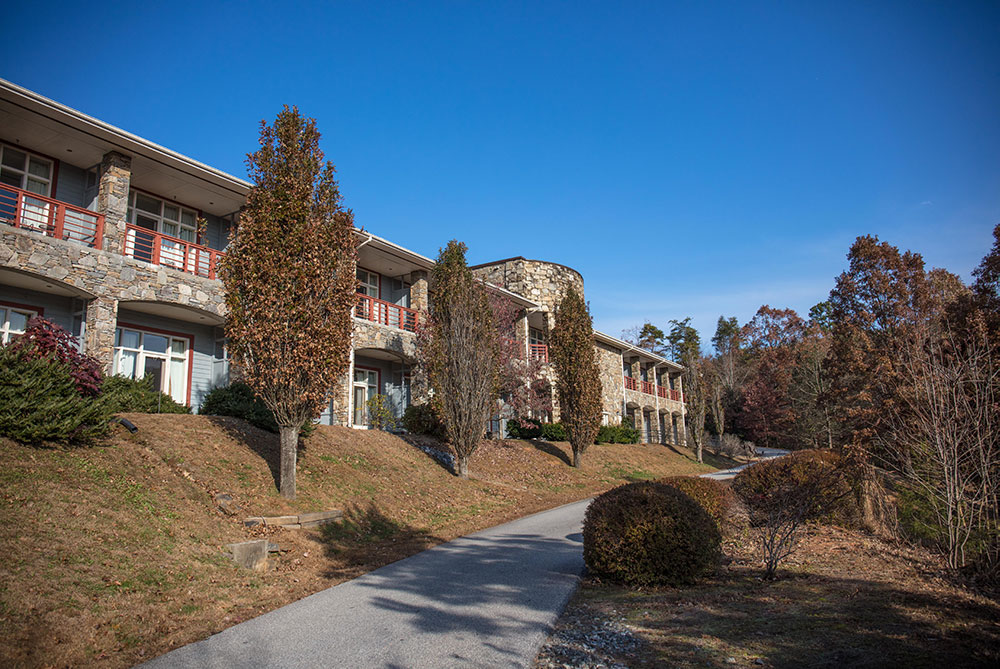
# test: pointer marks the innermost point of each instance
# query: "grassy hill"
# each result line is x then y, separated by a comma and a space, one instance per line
116, 554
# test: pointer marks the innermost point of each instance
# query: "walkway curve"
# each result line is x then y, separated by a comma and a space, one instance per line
488, 599
762, 454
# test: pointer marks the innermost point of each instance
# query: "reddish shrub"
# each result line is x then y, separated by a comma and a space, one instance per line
43, 338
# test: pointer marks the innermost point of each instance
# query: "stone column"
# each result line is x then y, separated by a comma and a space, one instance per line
419, 294
112, 198
636, 369
100, 322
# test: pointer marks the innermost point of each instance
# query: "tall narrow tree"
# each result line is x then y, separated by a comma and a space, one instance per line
577, 378
289, 277
461, 353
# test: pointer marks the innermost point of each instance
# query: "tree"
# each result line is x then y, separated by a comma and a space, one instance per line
462, 353
523, 390
685, 346
289, 278
648, 337
577, 377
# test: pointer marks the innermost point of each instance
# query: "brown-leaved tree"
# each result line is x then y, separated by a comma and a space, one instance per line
289, 276
461, 353
577, 378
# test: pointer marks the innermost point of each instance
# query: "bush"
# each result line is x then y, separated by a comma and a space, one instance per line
40, 400
43, 339
380, 416
649, 534
831, 483
714, 497
618, 434
423, 419
554, 432
239, 401
524, 428
127, 396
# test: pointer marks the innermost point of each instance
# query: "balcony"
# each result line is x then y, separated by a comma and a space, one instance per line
663, 392
647, 387
676, 396
540, 352
631, 384
386, 313
650, 388
27, 211
166, 251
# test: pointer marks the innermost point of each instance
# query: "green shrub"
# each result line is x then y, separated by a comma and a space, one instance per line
716, 498
554, 432
40, 401
239, 401
649, 534
423, 419
524, 428
45, 339
823, 483
127, 396
618, 434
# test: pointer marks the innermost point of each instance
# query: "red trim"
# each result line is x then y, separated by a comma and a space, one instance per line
39, 311
378, 387
170, 333
378, 283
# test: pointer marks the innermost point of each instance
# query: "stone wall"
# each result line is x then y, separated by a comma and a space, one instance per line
609, 365
543, 282
109, 278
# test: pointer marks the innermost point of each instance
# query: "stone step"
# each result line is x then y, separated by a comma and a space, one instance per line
312, 519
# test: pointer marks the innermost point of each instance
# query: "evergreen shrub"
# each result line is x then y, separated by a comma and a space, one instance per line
524, 428
714, 497
554, 432
649, 534
239, 401
41, 401
137, 396
423, 419
43, 338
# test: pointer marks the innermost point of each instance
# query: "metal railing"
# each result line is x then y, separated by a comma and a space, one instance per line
166, 251
27, 211
631, 384
540, 352
386, 313
647, 387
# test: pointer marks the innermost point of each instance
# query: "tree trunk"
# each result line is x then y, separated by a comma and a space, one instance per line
289, 446
698, 450
577, 458
462, 466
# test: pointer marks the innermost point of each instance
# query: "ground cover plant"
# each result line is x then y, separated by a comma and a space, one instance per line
94, 583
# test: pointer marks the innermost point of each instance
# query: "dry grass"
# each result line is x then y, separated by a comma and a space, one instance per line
116, 554
845, 599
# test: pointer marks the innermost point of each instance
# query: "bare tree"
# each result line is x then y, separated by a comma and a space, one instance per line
945, 426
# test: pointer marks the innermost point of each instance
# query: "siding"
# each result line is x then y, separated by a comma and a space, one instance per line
71, 186
216, 232
57, 308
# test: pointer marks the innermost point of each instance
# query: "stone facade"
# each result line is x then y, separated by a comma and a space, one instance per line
543, 282
107, 278
609, 366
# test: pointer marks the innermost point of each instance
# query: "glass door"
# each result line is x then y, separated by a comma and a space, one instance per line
365, 388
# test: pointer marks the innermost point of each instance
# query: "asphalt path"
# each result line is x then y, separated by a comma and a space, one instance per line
485, 600
762, 453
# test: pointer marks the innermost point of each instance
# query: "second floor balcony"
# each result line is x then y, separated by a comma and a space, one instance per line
386, 313
27, 211
651, 388
166, 251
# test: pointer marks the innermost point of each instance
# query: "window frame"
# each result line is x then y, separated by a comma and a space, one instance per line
26, 172
133, 211
5, 332
362, 284
168, 356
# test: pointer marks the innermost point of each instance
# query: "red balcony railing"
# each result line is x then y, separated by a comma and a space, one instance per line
647, 387
540, 352
663, 392
631, 384
386, 313
25, 210
167, 251
675, 395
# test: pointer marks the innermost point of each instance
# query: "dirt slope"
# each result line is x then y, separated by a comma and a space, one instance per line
116, 554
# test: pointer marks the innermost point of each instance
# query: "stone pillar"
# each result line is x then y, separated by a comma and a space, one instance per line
112, 198
419, 294
636, 369
100, 322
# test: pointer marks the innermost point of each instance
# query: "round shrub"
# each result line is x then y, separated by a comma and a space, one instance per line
825, 486
649, 534
423, 419
239, 401
715, 497
137, 396
554, 432
524, 428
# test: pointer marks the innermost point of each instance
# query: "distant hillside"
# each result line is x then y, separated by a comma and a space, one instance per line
116, 554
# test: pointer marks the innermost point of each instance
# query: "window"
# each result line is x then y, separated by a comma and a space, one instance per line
535, 336
163, 357
368, 283
152, 213
220, 363
14, 322
25, 171
365, 388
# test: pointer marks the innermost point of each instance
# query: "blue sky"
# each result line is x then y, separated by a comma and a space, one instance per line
690, 159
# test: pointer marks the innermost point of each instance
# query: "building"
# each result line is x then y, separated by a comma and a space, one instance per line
117, 239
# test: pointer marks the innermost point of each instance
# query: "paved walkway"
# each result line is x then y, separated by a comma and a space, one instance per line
485, 600
762, 453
